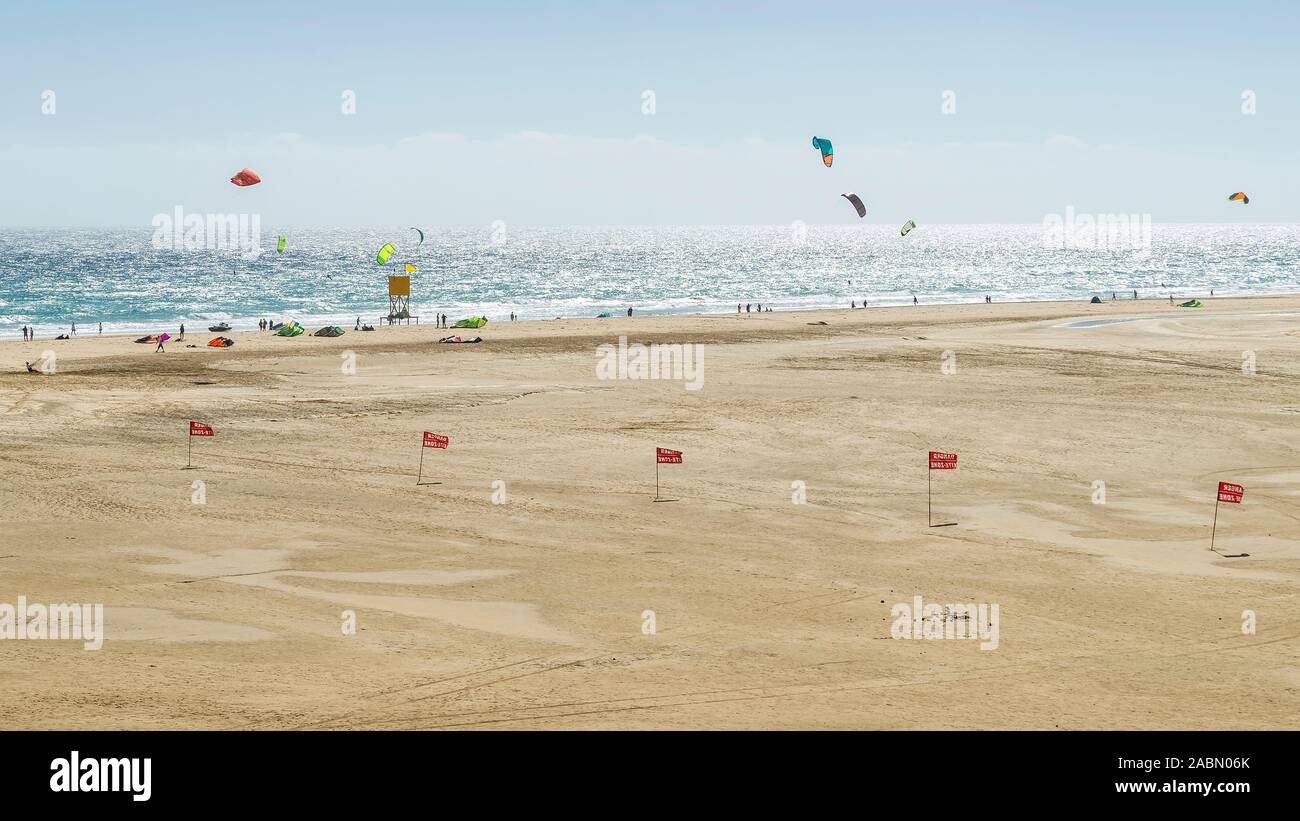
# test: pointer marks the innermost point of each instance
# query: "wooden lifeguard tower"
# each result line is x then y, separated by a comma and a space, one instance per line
399, 300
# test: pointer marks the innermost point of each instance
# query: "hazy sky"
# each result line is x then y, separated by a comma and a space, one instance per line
531, 113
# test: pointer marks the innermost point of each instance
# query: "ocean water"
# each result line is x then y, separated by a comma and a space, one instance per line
50, 278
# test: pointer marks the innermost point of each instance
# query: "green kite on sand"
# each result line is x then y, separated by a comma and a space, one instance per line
471, 322
1191, 303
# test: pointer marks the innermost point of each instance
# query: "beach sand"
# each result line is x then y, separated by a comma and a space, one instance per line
767, 613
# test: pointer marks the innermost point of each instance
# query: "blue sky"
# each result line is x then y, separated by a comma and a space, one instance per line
531, 112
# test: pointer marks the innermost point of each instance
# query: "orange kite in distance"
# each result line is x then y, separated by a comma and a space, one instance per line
245, 178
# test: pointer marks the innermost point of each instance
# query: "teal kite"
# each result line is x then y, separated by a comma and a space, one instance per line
824, 145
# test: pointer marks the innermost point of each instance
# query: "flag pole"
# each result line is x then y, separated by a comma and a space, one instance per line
929, 514
656, 474
1214, 526
420, 474
189, 453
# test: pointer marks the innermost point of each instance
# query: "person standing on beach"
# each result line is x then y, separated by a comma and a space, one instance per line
182, 336
1135, 294
747, 307
629, 311
914, 302
74, 329
101, 329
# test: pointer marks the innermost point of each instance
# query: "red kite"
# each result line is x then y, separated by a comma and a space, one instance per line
1239, 196
245, 178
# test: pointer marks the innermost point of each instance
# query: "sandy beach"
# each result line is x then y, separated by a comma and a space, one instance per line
515, 592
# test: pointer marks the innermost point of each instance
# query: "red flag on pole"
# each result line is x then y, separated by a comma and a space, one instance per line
433, 440
664, 456
942, 461
1229, 492
200, 429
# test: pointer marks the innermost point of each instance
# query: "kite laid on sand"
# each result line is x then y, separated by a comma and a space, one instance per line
857, 203
1240, 196
824, 145
246, 178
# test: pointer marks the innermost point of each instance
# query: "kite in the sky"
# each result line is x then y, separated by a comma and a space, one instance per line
279, 245
385, 251
907, 228
421, 233
1240, 196
245, 178
857, 203
824, 145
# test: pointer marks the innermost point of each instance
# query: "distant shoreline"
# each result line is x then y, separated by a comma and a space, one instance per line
89, 331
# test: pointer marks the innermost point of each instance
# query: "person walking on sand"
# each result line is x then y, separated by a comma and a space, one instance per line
160, 346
